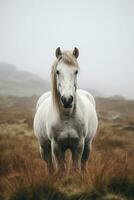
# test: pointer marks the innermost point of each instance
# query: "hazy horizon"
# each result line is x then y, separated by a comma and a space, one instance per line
31, 30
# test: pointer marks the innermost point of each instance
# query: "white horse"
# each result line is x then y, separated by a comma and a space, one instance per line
65, 117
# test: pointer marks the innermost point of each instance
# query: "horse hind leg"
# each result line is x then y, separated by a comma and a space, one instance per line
85, 155
46, 154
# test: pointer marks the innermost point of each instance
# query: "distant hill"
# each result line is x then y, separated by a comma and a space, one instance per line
15, 82
95, 93
117, 97
20, 83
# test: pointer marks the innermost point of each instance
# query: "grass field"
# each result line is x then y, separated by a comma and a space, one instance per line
110, 174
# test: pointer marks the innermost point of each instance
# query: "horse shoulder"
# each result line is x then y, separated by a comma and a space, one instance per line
88, 95
87, 104
41, 117
42, 98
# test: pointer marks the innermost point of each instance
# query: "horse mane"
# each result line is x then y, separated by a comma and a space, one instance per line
68, 58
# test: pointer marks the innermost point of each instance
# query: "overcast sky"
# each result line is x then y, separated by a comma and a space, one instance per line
103, 30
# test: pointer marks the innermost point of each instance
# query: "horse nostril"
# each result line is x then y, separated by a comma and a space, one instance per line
67, 101
70, 99
62, 99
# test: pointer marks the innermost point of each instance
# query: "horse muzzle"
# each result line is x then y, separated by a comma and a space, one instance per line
67, 102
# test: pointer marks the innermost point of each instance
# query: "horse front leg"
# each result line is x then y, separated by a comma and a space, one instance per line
58, 156
76, 155
46, 154
85, 155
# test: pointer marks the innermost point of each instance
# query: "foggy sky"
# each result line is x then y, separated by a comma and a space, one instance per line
103, 30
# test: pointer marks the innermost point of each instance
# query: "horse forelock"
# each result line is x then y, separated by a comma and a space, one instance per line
68, 58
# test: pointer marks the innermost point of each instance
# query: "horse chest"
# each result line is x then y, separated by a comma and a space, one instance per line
67, 129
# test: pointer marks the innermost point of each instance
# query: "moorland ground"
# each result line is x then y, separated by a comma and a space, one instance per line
110, 174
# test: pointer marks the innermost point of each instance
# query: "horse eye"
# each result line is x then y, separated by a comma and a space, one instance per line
57, 72
76, 72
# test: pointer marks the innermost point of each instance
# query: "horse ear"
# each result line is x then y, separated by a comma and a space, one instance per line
58, 52
76, 52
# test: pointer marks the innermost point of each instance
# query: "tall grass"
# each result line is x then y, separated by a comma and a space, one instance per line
23, 175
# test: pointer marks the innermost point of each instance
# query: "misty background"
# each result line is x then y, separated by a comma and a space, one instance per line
103, 30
